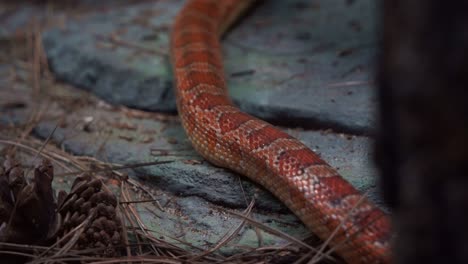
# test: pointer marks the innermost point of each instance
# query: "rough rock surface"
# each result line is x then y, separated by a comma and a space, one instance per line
195, 193
284, 63
306, 63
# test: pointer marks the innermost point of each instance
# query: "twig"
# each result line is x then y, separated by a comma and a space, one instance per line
277, 233
226, 238
130, 166
349, 83
117, 41
317, 258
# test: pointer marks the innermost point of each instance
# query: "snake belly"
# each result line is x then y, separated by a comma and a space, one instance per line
325, 202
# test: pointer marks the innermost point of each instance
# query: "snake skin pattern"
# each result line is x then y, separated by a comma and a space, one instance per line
325, 202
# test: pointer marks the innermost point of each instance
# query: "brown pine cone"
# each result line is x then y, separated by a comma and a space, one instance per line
6, 202
89, 202
15, 174
27, 210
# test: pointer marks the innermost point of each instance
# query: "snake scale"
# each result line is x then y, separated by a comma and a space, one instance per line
326, 203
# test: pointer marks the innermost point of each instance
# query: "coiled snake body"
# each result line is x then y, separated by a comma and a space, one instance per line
326, 203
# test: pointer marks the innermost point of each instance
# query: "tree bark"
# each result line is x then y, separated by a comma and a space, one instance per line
422, 143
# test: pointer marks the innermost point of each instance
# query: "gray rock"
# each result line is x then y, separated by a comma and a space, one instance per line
283, 63
194, 193
291, 62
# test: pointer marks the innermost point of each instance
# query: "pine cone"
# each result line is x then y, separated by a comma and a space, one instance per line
6, 202
27, 210
14, 174
88, 201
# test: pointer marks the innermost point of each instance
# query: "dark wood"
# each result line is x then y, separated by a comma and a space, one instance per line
422, 144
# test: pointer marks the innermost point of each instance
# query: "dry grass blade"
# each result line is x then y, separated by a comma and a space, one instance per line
49, 137
75, 233
279, 234
138, 201
227, 238
350, 83
16, 253
133, 214
45, 154
31, 123
183, 254
147, 259
120, 42
146, 191
348, 238
129, 219
111, 169
318, 257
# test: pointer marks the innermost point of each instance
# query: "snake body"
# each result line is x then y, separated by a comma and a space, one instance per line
326, 203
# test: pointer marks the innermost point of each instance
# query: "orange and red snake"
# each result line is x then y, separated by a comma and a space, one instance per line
326, 203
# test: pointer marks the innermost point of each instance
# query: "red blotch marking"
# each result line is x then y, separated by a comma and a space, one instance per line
209, 9
194, 92
231, 121
265, 136
371, 219
298, 198
194, 78
190, 57
374, 220
291, 161
208, 101
194, 20
187, 37
205, 132
336, 188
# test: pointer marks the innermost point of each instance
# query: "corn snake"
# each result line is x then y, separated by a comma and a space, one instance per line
229, 138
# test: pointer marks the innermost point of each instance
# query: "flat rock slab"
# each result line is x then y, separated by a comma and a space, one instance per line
20, 17
306, 63
283, 63
194, 193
